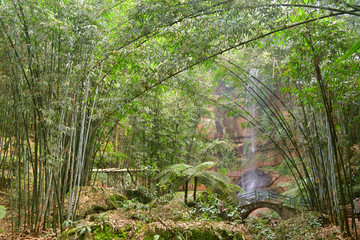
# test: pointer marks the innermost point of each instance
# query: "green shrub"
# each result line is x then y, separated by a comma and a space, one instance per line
208, 206
100, 230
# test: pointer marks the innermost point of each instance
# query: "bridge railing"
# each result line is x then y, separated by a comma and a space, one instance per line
304, 202
266, 196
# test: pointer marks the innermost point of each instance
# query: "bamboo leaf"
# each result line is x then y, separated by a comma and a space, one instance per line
354, 48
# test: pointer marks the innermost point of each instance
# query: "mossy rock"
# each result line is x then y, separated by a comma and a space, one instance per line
114, 201
95, 209
101, 217
191, 203
140, 195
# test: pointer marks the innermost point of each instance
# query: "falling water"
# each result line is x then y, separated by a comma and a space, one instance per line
250, 180
251, 109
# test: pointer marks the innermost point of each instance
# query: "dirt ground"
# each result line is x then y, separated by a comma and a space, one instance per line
89, 197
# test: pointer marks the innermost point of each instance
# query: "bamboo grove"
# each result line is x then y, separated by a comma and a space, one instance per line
71, 71
312, 131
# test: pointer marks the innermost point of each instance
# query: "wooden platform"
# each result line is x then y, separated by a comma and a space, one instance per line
115, 170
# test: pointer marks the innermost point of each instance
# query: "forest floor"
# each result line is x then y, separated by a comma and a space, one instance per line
158, 220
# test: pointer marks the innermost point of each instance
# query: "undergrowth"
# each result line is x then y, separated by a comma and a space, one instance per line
194, 234
302, 227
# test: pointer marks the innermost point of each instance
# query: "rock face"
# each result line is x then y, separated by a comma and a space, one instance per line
255, 179
257, 156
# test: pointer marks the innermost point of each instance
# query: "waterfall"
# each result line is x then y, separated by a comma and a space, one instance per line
250, 181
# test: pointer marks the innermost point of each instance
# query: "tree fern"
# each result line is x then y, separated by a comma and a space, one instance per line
180, 174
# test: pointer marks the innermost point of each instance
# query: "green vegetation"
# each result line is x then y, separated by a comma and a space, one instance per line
102, 230
182, 174
306, 226
160, 91
209, 218
195, 234
167, 219
2, 211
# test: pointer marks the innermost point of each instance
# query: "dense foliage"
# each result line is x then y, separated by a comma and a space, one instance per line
87, 84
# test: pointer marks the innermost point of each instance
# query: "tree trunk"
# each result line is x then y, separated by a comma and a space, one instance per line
195, 185
186, 191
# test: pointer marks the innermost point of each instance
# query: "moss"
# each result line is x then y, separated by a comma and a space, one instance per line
114, 201
191, 203
193, 234
2, 211
141, 195
95, 209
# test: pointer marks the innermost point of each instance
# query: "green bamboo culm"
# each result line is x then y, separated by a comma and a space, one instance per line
48, 124
322, 167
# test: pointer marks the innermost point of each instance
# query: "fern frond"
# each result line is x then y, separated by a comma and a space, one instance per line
204, 166
176, 169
